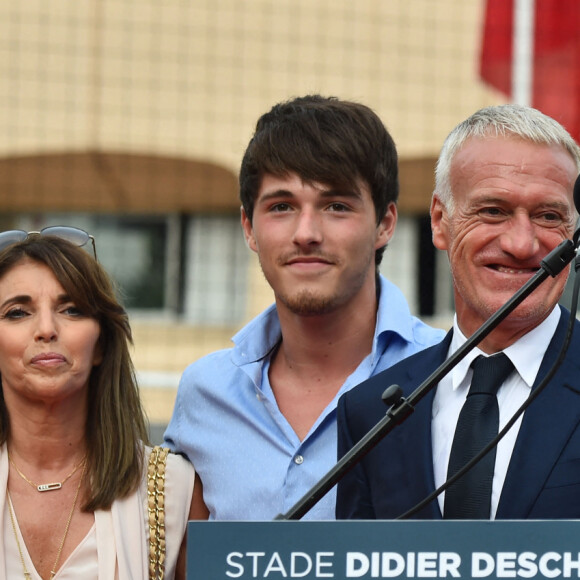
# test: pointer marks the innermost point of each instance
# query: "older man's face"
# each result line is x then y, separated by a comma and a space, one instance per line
513, 205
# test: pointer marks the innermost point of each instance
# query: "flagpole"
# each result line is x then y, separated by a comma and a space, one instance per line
523, 51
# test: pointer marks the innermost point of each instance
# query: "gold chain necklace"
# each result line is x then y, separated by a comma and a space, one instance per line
27, 575
46, 486
12, 519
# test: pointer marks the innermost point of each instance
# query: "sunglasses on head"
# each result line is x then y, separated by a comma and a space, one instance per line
75, 236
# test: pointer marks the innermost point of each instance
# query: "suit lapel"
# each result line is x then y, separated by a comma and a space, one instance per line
415, 436
539, 443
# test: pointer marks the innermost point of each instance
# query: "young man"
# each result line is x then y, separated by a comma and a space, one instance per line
503, 200
319, 185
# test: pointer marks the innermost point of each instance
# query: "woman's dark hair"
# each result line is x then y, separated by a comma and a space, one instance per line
116, 427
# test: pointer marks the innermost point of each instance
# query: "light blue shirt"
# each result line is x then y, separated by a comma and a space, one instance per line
227, 422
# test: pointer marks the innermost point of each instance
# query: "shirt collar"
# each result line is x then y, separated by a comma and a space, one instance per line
393, 314
526, 353
263, 333
255, 340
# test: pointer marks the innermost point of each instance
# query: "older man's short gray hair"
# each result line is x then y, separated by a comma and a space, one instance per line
503, 120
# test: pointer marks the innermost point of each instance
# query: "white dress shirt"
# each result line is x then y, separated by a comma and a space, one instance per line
526, 355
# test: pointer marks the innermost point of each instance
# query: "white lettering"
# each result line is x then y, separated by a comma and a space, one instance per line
393, 565
254, 556
299, 565
482, 565
275, 565
427, 564
570, 564
294, 572
411, 565
449, 563
510, 565
543, 565
527, 565
506, 564
320, 564
230, 561
357, 564
375, 564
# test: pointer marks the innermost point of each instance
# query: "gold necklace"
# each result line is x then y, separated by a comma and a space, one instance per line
46, 486
12, 518
27, 575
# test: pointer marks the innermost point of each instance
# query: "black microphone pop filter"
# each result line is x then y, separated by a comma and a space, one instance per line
576, 236
577, 194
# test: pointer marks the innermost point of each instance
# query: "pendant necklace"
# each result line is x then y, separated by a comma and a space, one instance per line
27, 575
46, 486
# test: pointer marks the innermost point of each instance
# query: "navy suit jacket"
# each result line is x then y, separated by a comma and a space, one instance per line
543, 478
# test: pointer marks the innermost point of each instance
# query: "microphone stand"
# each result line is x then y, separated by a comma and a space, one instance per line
402, 407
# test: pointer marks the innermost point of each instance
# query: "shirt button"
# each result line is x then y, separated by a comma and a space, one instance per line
299, 460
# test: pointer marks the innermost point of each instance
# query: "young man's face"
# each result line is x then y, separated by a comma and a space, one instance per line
512, 206
316, 245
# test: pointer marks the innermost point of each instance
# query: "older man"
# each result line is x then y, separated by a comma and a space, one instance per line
503, 200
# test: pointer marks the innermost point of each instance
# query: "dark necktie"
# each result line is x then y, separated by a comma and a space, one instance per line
470, 496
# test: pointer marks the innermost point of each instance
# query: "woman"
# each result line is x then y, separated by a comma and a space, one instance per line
73, 461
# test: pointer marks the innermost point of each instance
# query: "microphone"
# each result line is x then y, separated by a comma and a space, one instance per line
577, 194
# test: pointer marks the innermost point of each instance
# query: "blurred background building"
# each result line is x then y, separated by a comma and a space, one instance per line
129, 119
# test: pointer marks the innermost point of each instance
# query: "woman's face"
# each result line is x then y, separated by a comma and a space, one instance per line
47, 346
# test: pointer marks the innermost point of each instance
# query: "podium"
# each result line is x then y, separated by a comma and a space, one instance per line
383, 549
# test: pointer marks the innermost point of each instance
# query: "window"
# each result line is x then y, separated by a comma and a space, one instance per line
190, 266
216, 277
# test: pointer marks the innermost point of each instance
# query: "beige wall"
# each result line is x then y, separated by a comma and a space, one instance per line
190, 77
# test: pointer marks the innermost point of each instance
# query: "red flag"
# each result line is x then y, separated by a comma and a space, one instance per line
556, 60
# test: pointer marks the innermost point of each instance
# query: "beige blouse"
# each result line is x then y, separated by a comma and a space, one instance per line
116, 547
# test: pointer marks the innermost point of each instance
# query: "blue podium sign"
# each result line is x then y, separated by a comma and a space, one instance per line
382, 549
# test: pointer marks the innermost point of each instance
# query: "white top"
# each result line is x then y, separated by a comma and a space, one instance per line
526, 355
116, 547
82, 563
